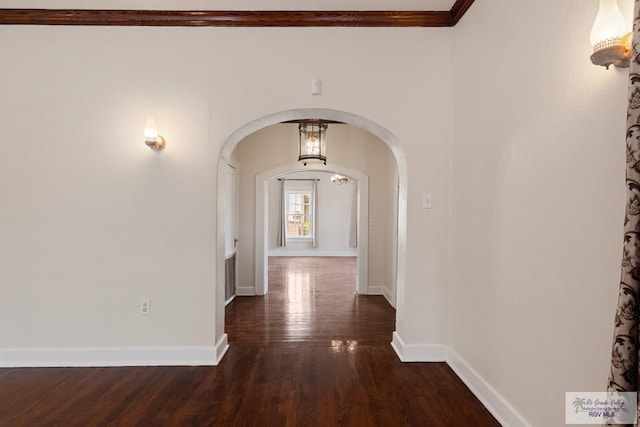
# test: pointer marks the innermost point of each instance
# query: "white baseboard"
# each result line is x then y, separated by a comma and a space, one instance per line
384, 291
418, 353
389, 296
245, 291
94, 357
221, 348
490, 398
497, 405
375, 290
311, 252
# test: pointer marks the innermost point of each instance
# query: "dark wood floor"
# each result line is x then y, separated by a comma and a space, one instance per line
311, 353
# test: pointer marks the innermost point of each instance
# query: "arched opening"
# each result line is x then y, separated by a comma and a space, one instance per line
325, 114
262, 218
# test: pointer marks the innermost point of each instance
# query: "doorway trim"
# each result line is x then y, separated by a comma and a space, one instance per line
261, 235
325, 114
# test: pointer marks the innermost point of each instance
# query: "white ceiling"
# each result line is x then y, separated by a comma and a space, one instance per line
234, 4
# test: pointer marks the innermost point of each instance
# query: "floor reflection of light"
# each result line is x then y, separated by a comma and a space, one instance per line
298, 304
339, 346
298, 285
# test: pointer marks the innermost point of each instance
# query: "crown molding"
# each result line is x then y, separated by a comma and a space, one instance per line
235, 18
458, 10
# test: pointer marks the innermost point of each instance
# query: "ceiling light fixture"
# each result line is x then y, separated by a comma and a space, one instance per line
313, 141
341, 179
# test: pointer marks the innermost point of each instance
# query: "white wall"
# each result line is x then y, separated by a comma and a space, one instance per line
538, 202
92, 220
348, 146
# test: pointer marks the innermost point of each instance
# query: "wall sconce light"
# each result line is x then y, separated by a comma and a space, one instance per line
610, 37
151, 137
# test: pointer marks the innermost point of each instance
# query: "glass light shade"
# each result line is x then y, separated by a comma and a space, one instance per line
609, 26
150, 129
313, 142
151, 136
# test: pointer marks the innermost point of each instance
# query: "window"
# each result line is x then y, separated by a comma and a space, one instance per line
299, 214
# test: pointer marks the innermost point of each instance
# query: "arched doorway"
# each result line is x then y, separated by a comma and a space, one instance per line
325, 114
261, 220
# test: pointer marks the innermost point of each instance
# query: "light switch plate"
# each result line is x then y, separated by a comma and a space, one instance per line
426, 201
315, 87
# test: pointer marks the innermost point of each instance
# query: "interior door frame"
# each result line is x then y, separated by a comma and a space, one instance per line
261, 235
232, 183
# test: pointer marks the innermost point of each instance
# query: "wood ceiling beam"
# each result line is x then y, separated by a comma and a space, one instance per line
217, 18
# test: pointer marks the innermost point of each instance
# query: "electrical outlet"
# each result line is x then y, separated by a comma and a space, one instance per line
145, 307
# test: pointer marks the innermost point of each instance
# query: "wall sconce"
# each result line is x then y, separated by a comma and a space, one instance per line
151, 137
610, 37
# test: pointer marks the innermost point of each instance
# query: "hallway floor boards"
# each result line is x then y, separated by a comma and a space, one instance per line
310, 353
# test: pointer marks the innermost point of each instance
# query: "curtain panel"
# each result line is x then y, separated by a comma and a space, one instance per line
623, 375
282, 220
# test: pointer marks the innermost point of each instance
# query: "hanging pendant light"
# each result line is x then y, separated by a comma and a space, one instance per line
313, 142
